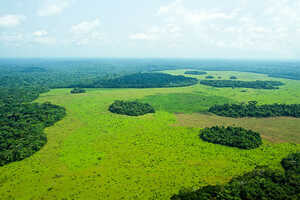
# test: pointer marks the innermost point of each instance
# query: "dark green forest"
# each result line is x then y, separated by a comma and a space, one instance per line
21, 129
131, 108
242, 84
147, 80
261, 183
195, 73
253, 110
232, 136
209, 77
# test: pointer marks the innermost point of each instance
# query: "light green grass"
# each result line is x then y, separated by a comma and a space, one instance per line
94, 154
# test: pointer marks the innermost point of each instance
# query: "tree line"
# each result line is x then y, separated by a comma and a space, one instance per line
253, 110
21, 129
195, 73
261, 183
232, 136
146, 80
242, 84
131, 108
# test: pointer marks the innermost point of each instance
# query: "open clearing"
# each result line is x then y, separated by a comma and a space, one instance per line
94, 154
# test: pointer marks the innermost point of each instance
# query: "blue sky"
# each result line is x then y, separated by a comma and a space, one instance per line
255, 29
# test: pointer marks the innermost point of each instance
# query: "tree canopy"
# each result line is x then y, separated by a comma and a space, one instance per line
209, 77
147, 80
253, 110
131, 108
242, 84
21, 129
232, 136
261, 183
195, 72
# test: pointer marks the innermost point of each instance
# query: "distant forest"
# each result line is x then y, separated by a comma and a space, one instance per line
195, 73
146, 80
261, 183
242, 84
253, 110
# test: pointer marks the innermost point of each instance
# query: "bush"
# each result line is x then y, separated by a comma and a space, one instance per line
209, 77
131, 108
233, 77
232, 136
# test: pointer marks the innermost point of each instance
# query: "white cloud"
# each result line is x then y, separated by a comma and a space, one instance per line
45, 40
272, 26
11, 38
40, 33
141, 36
11, 20
87, 32
53, 8
86, 27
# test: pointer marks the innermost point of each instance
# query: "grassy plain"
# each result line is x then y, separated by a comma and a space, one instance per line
94, 154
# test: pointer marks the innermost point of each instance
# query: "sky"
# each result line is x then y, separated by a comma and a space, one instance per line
252, 29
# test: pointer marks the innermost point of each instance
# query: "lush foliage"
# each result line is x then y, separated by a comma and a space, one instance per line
261, 183
232, 136
209, 77
233, 77
131, 108
77, 91
242, 84
253, 110
195, 73
147, 80
21, 129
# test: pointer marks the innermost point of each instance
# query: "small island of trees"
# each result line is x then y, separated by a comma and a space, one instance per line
77, 91
261, 183
242, 84
131, 108
233, 77
195, 73
253, 110
209, 77
232, 136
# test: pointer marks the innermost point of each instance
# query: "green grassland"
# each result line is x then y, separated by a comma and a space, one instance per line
95, 154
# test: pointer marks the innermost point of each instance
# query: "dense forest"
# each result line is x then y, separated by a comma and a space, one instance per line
253, 110
242, 84
146, 80
232, 136
78, 91
195, 73
21, 129
261, 183
131, 108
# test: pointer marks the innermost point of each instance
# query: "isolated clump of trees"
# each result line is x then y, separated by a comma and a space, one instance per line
242, 84
195, 72
253, 110
233, 77
131, 108
21, 129
147, 80
78, 91
209, 77
232, 136
261, 183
